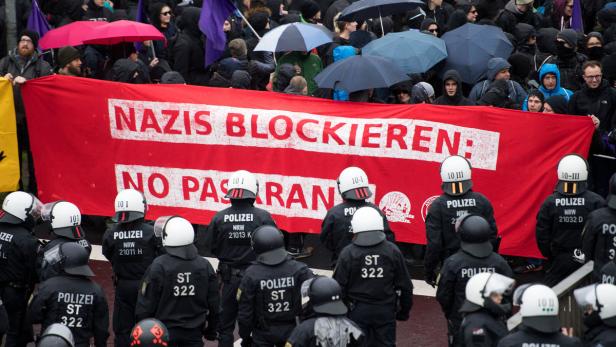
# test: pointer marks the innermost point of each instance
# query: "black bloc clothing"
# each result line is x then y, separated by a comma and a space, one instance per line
314, 332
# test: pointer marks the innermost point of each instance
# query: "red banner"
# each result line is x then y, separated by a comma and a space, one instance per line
179, 144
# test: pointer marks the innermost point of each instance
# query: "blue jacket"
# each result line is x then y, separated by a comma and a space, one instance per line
340, 53
558, 90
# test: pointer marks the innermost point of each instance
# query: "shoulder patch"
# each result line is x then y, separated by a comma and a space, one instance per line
144, 287
239, 294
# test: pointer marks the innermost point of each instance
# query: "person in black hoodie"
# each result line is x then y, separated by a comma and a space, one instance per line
555, 104
129, 71
568, 59
96, 11
188, 55
517, 11
161, 18
452, 91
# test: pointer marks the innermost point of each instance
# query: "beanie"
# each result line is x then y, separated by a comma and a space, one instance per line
66, 55
33, 35
523, 2
309, 9
570, 37
259, 20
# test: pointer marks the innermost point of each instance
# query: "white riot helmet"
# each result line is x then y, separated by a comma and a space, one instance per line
56, 335
538, 307
178, 235
19, 207
482, 285
64, 218
456, 175
572, 174
367, 226
353, 184
242, 185
130, 206
601, 298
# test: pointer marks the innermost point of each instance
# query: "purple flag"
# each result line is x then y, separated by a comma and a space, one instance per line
213, 16
576, 17
37, 21
140, 16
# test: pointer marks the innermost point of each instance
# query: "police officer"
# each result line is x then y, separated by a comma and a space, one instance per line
4, 320
18, 249
56, 335
130, 246
73, 299
335, 230
475, 256
607, 274
599, 235
231, 230
457, 200
150, 332
540, 325
326, 324
371, 271
180, 287
269, 295
64, 220
561, 219
484, 310
598, 301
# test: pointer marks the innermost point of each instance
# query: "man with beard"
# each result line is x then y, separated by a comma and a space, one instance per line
69, 61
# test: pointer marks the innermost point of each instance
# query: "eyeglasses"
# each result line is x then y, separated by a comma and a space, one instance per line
433, 30
25, 40
168, 13
591, 78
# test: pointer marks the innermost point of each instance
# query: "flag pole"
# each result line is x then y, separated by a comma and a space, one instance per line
245, 20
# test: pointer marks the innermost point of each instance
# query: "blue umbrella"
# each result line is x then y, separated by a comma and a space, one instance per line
413, 51
365, 9
471, 46
359, 73
294, 37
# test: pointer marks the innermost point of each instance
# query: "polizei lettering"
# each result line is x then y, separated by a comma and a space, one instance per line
127, 234
239, 217
277, 283
472, 271
6, 237
76, 298
461, 203
570, 202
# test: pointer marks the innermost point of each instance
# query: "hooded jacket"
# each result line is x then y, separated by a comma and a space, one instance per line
517, 94
188, 53
558, 90
570, 66
458, 99
511, 16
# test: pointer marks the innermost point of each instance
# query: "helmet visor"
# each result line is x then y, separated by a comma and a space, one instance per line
45, 211
498, 284
519, 292
159, 226
305, 292
586, 297
36, 209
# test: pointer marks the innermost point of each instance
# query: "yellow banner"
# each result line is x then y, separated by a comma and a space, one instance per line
9, 159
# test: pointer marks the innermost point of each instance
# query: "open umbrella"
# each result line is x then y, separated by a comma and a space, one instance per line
123, 31
359, 73
69, 35
472, 46
364, 9
294, 37
413, 51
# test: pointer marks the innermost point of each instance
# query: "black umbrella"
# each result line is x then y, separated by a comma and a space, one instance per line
364, 9
359, 73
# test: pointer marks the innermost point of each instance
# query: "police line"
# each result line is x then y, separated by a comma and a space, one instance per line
179, 144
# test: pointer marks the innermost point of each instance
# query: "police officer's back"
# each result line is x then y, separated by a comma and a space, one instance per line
18, 249
475, 256
370, 271
230, 231
457, 200
540, 324
561, 219
131, 246
73, 299
599, 236
607, 274
64, 220
325, 324
484, 311
180, 288
269, 294
354, 188
56, 335
598, 302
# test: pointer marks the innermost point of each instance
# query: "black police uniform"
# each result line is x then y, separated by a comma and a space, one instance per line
559, 231
304, 334
336, 227
526, 336
369, 276
443, 213
599, 238
46, 265
231, 231
481, 327
18, 250
607, 274
180, 289
76, 302
455, 273
131, 248
4, 321
600, 335
270, 301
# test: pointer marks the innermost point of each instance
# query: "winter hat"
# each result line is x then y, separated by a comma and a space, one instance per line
523, 2
558, 103
309, 9
258, 20
172, 77
569, 35
421, 92
240, 79
66, 55
521, 65
595, 34
32, 35
496, 65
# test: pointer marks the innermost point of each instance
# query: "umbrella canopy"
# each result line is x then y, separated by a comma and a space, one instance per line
69, 35
359, 73
364, 9
294, 37
412, 51
474, 45
123, 31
